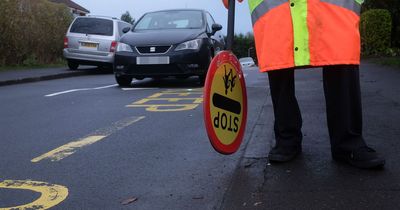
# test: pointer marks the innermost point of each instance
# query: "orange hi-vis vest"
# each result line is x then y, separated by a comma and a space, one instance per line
300, 33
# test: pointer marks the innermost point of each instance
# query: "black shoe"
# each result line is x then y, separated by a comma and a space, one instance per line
363, 157
283, 154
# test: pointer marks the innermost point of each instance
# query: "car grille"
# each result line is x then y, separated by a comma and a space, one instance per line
163, 70
158, 70
153, 49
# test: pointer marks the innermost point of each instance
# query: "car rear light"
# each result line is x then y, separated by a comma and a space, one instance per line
113, 46
65, 42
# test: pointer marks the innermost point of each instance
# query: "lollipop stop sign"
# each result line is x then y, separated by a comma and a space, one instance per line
225, 99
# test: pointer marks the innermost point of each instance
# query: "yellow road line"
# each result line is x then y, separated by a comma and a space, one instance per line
70, 148
51, 194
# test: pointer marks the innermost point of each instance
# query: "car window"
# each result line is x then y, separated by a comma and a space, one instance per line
95, 26
210, 22
121, 26
170, 20
247, 59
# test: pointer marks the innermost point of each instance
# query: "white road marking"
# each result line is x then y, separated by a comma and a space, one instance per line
80, 89
139, 88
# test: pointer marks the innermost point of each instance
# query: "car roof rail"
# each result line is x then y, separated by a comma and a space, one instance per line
103, 16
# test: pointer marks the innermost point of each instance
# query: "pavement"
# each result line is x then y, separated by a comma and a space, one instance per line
313, 180
11, 77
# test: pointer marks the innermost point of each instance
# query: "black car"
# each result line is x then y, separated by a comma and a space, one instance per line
178, 43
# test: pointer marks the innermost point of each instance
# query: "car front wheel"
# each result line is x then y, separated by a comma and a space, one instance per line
123, 81
202, 78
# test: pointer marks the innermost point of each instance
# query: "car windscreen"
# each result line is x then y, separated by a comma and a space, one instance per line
246, 59
171, 20
96, 26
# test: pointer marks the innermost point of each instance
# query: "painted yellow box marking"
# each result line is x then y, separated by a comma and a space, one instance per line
171, 101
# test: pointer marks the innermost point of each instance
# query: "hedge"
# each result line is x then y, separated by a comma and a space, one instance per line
32, 32
243, 45
393, 6
375, 28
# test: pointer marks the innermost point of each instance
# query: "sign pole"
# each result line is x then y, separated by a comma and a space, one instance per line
231, 25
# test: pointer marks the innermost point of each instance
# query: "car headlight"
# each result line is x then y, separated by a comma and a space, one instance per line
189, 45
124, 48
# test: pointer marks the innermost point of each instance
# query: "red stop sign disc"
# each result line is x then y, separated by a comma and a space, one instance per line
225, 103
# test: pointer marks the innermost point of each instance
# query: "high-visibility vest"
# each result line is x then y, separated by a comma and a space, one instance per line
299, 33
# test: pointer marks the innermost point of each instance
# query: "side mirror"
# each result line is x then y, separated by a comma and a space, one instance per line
215, 27
125, 30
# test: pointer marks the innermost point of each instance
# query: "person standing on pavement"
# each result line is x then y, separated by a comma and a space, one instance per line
292, 34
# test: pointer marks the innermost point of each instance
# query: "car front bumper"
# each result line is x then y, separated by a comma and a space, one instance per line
181, 63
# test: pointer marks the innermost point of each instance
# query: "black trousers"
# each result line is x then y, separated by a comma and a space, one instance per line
343, 107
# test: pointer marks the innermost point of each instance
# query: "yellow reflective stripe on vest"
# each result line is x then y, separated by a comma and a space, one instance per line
360, 1
259, 7
301, 49
353, 5
298, 8
253, 4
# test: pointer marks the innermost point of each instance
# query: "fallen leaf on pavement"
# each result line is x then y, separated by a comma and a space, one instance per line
258, 203
129, 201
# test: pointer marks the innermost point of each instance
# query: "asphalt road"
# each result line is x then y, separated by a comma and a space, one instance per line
94, 145
84, 143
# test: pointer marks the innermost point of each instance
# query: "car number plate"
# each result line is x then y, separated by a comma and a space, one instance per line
152, 60
89, 45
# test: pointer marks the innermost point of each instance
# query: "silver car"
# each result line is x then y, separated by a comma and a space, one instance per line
247, 62
91, 40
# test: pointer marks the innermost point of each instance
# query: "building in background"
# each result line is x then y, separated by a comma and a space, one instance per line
76, 9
